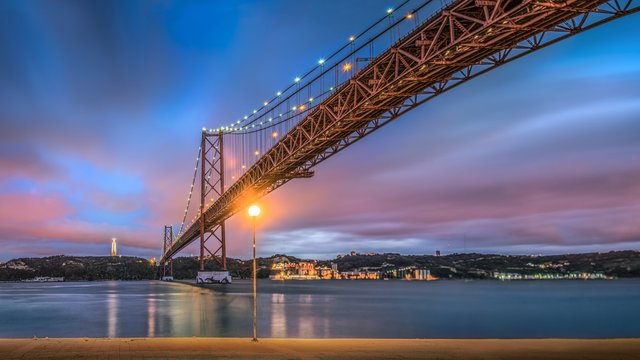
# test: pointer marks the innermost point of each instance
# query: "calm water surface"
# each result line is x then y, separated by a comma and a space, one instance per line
398, 309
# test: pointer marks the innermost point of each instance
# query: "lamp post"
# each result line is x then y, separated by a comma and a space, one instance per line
254, 211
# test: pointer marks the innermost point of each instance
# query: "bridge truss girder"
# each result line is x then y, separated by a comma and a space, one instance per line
466, 39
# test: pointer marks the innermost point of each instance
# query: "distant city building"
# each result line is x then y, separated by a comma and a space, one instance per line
114, 251
307, 270
437, 252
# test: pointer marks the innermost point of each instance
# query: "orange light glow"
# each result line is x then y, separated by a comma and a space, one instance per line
302, 107
409, 15
346, 67
257, 152
254, 211
275, 134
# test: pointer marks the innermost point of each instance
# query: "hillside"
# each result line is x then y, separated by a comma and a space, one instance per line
78, 268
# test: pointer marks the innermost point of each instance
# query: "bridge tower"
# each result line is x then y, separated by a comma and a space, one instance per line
211, 188
168, 240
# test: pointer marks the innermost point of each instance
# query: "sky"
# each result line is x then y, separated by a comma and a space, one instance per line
102, 102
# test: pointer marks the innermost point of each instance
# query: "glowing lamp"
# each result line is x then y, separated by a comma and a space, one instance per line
254, 210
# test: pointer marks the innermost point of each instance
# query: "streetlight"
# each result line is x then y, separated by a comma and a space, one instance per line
254, 211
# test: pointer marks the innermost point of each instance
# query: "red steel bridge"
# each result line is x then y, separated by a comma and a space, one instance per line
413, 53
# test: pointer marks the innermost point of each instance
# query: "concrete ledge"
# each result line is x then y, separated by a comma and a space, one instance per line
240, 348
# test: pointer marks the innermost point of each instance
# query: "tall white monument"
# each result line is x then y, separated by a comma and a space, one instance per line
114, 252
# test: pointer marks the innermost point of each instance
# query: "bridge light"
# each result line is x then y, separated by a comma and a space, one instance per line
275, 134
389, 10
279, 93
254, 211
270, 119
255, 111
321, 61
302, 107
297, 79
266, 103
331, 88
346, 67
294, 108
310, 99
244, 166
409, 15
257, 152
352, 38
246, 117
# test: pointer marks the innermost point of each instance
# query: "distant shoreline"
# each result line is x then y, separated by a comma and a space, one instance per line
187, 281
369, 266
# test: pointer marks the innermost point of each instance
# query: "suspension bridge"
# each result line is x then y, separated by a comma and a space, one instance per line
413, 53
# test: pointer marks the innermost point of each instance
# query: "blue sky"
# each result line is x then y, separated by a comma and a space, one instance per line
101, 106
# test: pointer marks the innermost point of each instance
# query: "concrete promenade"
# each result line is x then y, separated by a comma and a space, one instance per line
234, 348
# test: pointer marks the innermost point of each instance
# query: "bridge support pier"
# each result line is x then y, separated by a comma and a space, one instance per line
168, 241
211, 188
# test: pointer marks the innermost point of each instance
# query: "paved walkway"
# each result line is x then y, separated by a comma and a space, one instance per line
233, 348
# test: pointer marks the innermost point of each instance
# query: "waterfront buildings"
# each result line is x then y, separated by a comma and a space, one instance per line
308, 270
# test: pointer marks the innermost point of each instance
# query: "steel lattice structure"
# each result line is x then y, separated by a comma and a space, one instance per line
462, 41
212, 187
166, 244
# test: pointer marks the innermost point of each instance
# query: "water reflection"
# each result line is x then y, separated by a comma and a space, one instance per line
306, 316
112, 314
151, 316
278, 316
323, 309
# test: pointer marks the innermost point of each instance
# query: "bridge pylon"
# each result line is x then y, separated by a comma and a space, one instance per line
168, 241
211, 189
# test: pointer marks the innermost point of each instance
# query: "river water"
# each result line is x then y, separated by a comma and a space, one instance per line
320, 309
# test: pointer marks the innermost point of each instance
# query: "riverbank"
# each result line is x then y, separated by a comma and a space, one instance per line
241, 348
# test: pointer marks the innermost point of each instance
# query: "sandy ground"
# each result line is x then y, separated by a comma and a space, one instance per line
233, 348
